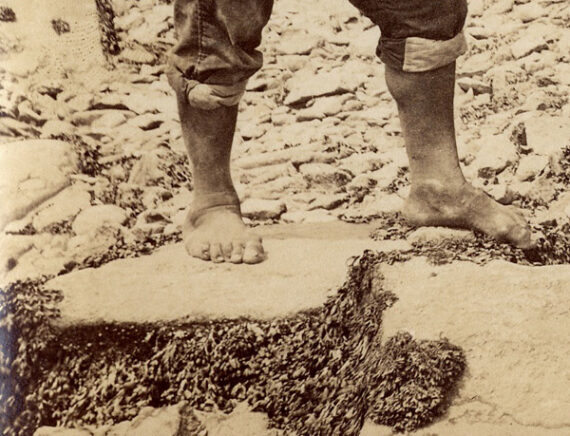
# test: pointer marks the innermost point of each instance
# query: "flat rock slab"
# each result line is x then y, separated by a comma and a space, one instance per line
32, 171
513, 323
168, 285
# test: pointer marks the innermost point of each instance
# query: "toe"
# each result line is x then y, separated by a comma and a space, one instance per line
216, 254
253, 251
521, 237
227, 251
237, 253
201, 250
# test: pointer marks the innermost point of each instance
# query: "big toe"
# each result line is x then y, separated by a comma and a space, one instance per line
198, 249
253, 251
513, 230
520, 237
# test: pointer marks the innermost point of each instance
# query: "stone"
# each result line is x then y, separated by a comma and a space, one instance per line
398, 156
146, 170
530, 12
376, 205
328, 201
530, 166
385, 176
527, 44
32, 172
474, 65
547, 135
495, 154
312, 216
557, 210
476, 7
359, 163
53, 128
323, 107
22, 65
110, 120
259, 209
500, 7
305, 85
175, 420
437, 235
95, 241
98, 216
501, 192
27, 114
511, 322
91, 117
150, 221
297, 42
151, 101
362, 182
455, 424
79, 103
240, 421
136, 56
324, 174
47, 256
176, 286
478, 86
251, 130
63, 206
13, 247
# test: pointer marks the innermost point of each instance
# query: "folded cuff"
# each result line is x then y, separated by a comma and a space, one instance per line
204, 95
207, 97
416, 54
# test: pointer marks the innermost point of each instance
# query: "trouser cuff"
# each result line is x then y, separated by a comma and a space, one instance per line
416, 54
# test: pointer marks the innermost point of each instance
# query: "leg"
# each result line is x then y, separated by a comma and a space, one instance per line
439, 194
209, 67
420, 41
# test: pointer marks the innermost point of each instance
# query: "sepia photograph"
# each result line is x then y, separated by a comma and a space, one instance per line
281, 218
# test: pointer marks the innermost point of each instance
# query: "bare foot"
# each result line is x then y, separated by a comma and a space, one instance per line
433, 204
219, 234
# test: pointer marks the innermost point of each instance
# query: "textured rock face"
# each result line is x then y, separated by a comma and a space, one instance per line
32, 171
298, 274
512, 323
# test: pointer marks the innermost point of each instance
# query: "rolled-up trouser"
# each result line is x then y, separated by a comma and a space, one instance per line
218, 39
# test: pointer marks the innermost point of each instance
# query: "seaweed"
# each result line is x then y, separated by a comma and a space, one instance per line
320, 372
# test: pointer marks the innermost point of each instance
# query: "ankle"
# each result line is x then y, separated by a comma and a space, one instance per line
438, 185
203, 203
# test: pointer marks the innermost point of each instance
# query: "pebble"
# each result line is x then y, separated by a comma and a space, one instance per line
530, 12
305, 86
359, 163
95, 217
530, 166
547, 135
526, 45
110, 120
254, 208
327, 201
495, 154
312, 216
325, 174
54, 128
61, 207
32, 172
136, 56
478, 86
297, 42
146, 170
